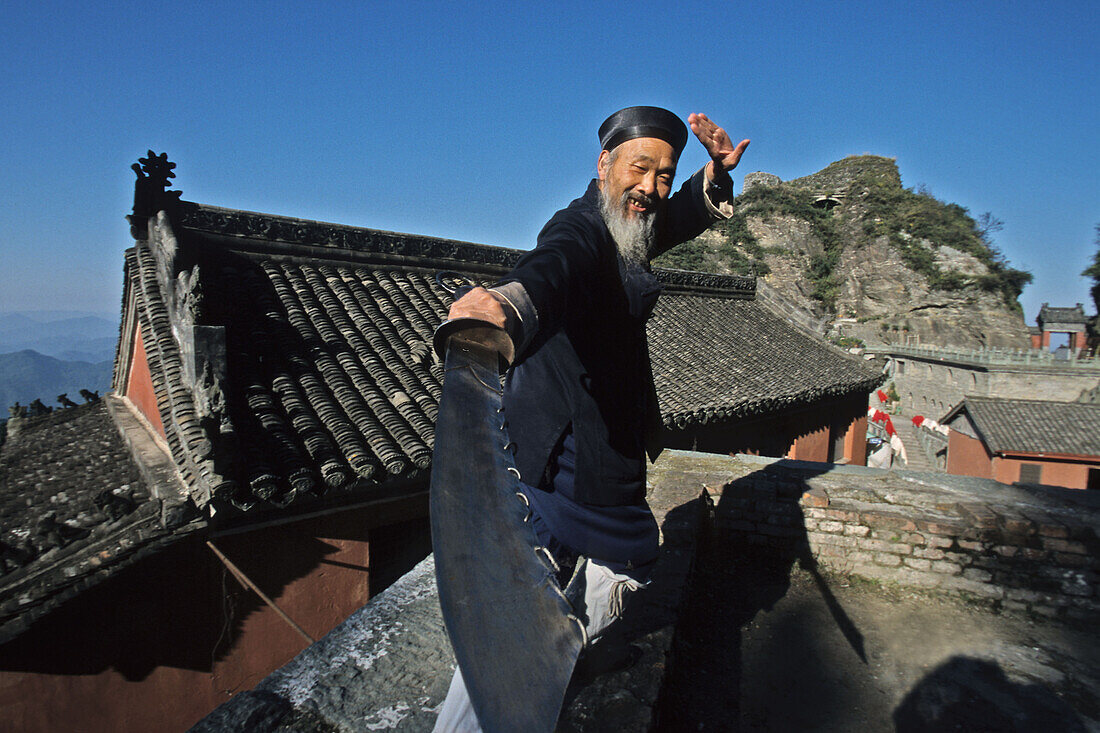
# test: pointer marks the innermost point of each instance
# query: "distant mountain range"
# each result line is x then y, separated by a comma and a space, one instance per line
66, 335
47, 353
28, 375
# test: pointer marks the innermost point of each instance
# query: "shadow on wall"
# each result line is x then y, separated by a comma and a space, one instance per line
183, 609
179, 609
741, 572
805, 667
968, 694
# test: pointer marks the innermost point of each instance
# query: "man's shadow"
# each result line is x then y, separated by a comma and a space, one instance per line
746, 550
965, 693
745, 561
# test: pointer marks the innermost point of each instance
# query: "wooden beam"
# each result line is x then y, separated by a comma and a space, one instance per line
243, 579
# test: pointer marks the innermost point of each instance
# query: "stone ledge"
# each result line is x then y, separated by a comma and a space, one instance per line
959, 535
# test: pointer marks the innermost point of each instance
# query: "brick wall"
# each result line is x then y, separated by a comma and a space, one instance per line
1023, 549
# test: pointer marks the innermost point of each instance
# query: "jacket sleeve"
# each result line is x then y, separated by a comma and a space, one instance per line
548, 280
689, 212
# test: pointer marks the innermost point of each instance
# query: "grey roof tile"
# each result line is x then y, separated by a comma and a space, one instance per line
73, 508
1076, 314
331, 381
717, 359
66, 474
1035, 426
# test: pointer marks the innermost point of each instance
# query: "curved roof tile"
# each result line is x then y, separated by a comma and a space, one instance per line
331, 383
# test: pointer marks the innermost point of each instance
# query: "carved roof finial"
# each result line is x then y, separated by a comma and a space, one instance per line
157, 168
150, 194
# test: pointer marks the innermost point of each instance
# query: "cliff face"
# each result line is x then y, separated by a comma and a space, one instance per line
875, 261
893, 304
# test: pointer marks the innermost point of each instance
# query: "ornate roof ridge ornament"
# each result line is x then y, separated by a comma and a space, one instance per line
736, 286
150, 191
432, 252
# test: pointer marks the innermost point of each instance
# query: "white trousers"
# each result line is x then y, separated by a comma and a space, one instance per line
604, 596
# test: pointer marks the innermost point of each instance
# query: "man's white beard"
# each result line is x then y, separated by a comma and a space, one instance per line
633, 235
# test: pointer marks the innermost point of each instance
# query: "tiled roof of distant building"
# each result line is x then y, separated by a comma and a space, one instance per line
718, 359
73, 508
1076, 314
1033, 426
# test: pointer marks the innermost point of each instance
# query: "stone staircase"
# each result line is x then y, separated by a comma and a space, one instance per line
918, 461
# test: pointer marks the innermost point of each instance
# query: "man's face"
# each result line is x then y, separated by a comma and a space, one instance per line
642, 169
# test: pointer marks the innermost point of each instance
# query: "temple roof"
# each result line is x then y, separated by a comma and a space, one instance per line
717, 359
330, 384
1033, 426
73, 508
1074, 315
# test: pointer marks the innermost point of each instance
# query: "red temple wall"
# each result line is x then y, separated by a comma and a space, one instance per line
811, 446
1071, 474
161, 644
139, 384
967, 456
806, 434
855, 442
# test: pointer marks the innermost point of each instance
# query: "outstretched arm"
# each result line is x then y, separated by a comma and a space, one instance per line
724, 156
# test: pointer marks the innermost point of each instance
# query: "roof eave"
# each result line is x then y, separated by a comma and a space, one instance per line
1026, 455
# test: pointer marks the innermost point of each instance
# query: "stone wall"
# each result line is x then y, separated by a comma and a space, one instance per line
931, 389
788, 309
1031, 549
930, 385
934, 445
760, 178
1059, 386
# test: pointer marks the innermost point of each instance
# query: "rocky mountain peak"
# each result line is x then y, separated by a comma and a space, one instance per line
843, 174
872, 261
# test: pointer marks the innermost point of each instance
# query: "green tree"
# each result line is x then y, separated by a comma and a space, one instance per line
987, 226
1093, 271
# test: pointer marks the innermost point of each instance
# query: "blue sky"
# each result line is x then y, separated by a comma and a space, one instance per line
476, 121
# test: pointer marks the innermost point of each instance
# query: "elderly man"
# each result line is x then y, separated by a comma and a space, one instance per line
579, 399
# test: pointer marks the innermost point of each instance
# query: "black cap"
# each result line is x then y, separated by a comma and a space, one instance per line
632, 122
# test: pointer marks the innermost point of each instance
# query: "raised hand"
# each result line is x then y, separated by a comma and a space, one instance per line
724, 156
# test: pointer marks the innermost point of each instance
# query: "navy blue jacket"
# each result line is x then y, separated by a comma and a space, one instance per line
588, 363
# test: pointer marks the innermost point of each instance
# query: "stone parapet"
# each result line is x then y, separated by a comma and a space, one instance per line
790, 310
1031, 358
932, 381
1031, 549
934, 445
1027, 549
